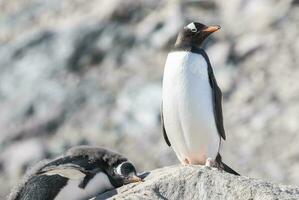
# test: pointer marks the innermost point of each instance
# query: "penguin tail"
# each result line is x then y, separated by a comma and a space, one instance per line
228, 169
225, 167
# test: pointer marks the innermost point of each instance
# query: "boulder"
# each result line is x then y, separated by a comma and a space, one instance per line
200, 182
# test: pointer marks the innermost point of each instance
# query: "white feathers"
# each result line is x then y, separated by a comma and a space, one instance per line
67, 173
188, 108
98, 184
118, 169
67, 170
192, 27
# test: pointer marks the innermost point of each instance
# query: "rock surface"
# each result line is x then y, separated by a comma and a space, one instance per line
195, 182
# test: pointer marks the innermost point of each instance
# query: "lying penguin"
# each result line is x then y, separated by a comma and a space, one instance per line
82, 173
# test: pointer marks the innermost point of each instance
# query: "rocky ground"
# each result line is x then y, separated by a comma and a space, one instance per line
89, 72
194, 182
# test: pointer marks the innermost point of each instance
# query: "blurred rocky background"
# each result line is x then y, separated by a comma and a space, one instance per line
89, 72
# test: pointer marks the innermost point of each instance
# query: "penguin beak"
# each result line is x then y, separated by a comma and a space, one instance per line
211, 29
133, 179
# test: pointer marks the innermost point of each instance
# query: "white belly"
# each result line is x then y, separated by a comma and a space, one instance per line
188, 109
98, 184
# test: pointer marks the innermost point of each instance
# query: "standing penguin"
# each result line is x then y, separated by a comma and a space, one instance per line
82, 173
191, 109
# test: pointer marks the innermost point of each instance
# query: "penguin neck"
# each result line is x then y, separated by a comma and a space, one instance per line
186, 45
193, 49
189, 47
187, 40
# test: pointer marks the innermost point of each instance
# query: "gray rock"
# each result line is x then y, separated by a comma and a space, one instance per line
19, 156
198, 182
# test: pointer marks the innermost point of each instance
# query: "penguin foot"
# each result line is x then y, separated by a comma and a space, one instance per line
186, 162
209, 162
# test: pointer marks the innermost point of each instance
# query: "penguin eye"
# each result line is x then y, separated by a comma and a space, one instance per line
194, 30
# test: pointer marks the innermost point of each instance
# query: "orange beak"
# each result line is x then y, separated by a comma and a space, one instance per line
134, 179
211, 29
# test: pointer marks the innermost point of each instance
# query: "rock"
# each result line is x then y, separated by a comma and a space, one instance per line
19, 156
198, 182
131, 101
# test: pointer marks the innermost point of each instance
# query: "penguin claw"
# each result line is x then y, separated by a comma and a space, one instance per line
209, 162
214, 168
186, 162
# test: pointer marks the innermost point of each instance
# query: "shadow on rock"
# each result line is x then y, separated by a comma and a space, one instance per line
106, 195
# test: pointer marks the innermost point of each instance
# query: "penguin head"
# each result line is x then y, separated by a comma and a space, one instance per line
127, 172
194, 34
119, 170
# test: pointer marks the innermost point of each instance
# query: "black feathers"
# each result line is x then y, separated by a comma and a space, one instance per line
225, 167
86, 180
96, 153
217, 97
42, 187
127, 168
163, 127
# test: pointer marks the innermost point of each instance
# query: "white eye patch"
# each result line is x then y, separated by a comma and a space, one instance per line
118, 169
192, 27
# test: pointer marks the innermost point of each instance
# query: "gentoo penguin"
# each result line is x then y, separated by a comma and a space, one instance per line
191, 110
82, 173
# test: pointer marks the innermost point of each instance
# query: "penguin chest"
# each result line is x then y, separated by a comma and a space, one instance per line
188, 108
98, 184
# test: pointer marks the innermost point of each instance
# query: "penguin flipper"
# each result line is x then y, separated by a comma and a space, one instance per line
163, 127
86, 180
217, 102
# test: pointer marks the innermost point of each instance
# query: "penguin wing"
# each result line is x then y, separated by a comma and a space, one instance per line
163, 127
217, 102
